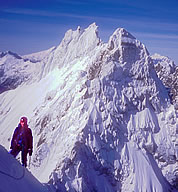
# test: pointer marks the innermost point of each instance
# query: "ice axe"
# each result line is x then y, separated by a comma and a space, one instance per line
29, 162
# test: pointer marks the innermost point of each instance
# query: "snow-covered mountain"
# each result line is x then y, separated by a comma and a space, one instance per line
102, 120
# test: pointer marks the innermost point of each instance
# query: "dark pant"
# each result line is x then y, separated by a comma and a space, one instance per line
15, 151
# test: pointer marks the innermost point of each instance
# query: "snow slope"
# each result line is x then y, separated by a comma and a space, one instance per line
15, 178
101, 118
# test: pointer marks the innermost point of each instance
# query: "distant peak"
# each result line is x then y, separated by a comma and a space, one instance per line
163, 60
2, 54
160, 57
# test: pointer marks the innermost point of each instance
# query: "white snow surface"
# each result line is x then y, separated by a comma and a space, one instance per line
101, 119
15, 178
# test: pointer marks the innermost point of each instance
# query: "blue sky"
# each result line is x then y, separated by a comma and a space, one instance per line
28, 26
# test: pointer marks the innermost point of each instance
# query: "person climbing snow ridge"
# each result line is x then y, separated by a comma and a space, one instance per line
22, 140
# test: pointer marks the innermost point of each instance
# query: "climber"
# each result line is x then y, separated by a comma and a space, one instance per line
22, 140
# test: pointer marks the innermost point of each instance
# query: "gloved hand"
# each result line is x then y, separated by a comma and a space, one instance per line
30, 152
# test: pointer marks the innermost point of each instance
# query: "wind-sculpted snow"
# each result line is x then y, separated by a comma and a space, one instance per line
101, 118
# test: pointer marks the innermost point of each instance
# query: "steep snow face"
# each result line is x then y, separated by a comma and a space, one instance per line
101, 118
15, 178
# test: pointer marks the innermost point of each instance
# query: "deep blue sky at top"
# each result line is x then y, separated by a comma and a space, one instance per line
28, 26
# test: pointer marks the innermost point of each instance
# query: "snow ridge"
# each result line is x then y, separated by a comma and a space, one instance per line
16, 178
99, 114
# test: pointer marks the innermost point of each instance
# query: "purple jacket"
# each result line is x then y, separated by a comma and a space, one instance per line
22, 136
